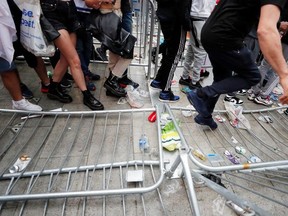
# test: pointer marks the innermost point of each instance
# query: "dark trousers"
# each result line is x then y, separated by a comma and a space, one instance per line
174, 37
224, 63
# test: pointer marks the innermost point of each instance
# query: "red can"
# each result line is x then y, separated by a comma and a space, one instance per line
152, 117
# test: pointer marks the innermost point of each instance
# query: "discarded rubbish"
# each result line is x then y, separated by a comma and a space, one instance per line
238, 210
254, 159
266, 119
214, 158
240, 150
234, 140
144, 143
188, 113
234, 159
220, 118
199, 154
20, 164
152, 117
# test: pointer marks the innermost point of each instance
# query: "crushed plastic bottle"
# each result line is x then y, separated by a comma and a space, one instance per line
144, 143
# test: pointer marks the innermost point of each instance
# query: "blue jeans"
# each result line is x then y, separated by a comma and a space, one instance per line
84, 44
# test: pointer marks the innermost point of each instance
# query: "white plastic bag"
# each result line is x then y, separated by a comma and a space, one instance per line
237, 119
31, 35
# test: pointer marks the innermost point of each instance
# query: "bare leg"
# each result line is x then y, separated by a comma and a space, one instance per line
69, 57
11, 82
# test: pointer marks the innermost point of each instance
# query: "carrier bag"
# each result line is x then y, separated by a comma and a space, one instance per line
31, 34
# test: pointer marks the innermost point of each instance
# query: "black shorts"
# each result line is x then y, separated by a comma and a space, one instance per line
62, 14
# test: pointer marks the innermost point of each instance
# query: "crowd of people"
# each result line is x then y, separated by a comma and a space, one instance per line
216, 28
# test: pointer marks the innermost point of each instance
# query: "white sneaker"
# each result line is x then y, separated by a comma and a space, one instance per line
25, 105
263, 100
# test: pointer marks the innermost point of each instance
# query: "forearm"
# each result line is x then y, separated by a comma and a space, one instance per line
270, 41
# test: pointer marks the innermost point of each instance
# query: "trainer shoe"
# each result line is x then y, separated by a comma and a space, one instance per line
251, 96
44, 88
68, 77
168, 96
195, 86
25, 105
155, 85
186, 82
204, 74
266, 101
90, 85
26, 92
92, 76
232, 99
198, 103
101, 53
209, 121
65, 83
241, 92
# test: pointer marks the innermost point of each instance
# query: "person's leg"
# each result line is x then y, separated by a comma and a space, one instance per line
11, 81
117, 65
224, 62
187, 66
199, 52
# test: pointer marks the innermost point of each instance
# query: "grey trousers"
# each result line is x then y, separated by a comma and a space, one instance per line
196, 55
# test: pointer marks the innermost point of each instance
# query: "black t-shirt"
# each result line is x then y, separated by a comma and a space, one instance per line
231, 21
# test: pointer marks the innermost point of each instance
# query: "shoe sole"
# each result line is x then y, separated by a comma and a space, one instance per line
262, 103
168, 101
53, 97
93, 107
112, 91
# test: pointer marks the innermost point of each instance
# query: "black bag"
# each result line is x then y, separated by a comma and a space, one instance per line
107, 29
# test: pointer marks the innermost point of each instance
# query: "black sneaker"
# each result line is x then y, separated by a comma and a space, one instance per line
68, 77
101, 54
233, 99
65, 83
56, 92
209, 121
90, 101
195, 86
26, 92
186, 82
204, 74
125, 80
93, 76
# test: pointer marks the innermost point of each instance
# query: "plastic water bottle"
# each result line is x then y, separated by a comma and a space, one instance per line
49, 74
144, 143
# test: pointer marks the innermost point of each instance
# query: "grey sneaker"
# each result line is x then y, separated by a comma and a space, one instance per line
266, 101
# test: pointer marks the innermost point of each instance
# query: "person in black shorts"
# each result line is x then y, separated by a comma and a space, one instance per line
62, 14
222, 37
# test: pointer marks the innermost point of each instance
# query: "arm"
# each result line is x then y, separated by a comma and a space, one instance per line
270, 44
